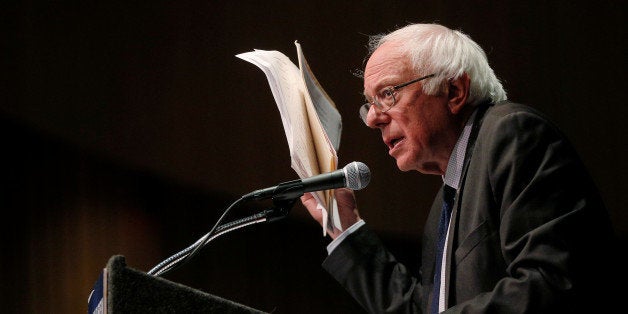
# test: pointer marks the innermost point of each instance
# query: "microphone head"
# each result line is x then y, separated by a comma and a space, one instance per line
357, 175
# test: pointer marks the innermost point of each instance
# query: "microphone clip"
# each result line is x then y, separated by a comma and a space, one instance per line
281, 209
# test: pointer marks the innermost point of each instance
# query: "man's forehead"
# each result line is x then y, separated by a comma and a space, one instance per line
385, 67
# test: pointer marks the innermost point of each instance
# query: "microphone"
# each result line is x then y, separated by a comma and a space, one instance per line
355, 176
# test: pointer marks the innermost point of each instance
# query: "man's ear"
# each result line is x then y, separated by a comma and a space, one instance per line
458, 93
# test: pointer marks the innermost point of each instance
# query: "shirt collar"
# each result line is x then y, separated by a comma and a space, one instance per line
456, 160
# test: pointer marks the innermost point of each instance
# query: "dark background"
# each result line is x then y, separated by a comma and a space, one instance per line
127, 128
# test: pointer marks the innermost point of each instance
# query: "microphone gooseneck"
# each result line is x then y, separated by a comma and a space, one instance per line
355, 176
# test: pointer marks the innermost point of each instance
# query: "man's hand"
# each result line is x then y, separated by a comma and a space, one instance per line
347, 209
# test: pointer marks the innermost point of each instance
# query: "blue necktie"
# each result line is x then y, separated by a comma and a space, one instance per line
448, 201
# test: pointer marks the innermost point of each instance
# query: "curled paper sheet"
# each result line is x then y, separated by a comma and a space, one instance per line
310, 119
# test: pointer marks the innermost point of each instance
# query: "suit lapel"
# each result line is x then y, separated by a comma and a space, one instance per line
477, 123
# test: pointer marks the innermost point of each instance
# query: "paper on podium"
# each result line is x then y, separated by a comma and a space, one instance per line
310, 120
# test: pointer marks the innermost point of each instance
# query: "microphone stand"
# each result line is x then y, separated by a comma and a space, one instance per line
280, 209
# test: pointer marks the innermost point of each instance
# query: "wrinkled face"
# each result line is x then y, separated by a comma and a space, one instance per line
419, 130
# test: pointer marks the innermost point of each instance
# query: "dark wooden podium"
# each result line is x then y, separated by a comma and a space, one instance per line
121, 289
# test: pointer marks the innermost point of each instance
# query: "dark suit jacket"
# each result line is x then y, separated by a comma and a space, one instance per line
529, 232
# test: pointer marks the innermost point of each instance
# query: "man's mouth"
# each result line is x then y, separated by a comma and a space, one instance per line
393, 142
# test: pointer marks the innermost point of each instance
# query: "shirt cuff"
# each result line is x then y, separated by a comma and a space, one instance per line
331, 246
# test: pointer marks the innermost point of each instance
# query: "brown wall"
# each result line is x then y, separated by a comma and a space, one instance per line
127, 129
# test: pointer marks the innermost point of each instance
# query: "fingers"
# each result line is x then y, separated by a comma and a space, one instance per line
310, 204
347, 209
345, 199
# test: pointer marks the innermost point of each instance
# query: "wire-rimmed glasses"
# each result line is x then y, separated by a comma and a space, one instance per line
385, 100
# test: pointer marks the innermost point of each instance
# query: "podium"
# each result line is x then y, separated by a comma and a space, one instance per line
121, 289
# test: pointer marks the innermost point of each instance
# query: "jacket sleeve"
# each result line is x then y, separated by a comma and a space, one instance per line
372, 275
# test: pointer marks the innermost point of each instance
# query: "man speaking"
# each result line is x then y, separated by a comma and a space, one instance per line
518, 226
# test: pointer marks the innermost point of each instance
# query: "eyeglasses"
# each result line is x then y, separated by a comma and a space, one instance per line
385, 100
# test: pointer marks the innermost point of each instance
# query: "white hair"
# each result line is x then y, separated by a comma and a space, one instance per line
436, 49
